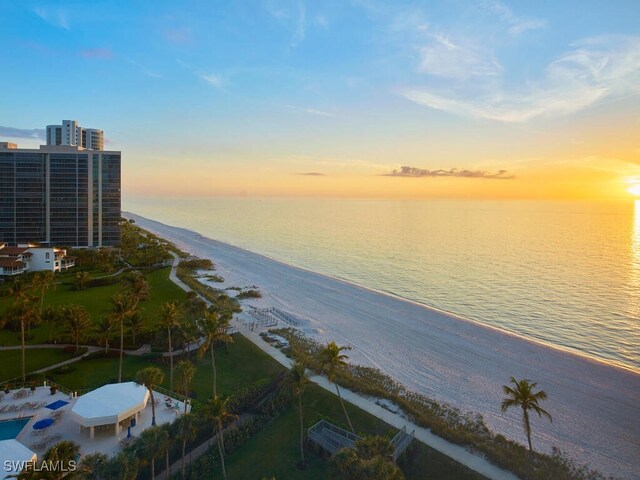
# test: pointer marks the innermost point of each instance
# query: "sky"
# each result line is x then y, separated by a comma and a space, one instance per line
361, 98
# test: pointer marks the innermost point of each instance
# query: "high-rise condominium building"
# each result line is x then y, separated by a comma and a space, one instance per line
59, 195
70, 133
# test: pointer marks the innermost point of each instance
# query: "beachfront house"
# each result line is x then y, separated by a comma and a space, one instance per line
32, 258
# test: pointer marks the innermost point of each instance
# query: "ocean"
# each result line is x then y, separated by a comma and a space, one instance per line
563, 273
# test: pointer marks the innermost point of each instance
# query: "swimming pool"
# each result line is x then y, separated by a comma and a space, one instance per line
11, 428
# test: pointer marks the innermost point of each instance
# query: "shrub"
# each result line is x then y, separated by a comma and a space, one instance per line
249, 294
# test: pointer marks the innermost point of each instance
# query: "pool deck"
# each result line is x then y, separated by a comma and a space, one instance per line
65, 428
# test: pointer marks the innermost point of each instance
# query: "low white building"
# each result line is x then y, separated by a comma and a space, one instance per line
111, 406
29, 258
49, 258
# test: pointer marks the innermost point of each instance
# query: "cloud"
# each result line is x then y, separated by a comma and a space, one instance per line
460, 59
516, 24
214, 79
310, 111
311, 174
592, 70
57, 18
102, 53
12, 132
300, 26
292, 16
144, 69
413, 172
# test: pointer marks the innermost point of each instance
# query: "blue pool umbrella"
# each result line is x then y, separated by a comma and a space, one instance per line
44, 423
57, 404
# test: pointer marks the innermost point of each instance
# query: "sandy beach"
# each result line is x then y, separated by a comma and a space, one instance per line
595, 406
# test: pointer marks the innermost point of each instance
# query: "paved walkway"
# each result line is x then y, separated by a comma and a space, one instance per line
456, 452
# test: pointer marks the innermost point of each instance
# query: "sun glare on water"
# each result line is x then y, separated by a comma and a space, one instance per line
634, 190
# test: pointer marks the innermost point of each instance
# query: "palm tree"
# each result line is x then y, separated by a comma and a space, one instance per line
60, 454
298, 381
216, 328
216, 410
186, 370
370, 457
124, 466
104, 331
137, 285
149, 377
185, 427
135, 324
43, 281
149, 445
170, 317
22, 295
123, 305
94, 466
24, 312
51, 315
81, 280
523, 396
332, 359
78, 322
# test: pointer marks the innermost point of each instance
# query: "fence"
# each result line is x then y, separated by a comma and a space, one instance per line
332, 438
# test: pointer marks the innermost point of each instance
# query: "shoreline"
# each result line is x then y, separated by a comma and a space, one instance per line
454, 316
465, 359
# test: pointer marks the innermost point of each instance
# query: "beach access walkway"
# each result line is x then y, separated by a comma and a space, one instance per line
456, 452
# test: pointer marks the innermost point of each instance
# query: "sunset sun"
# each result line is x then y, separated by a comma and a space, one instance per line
634, 190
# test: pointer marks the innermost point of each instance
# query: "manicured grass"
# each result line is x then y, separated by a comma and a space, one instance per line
275, 451
97, 302
35, 359
238, 366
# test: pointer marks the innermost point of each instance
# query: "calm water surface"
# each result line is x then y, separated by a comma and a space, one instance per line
565, 273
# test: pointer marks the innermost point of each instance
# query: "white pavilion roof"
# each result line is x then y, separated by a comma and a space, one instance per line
110, 404
13, 451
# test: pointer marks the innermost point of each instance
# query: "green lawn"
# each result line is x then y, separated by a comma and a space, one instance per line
10, 361
275, 452
96, 300
239, 366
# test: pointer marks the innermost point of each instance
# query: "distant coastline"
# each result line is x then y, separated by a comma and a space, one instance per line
470, 343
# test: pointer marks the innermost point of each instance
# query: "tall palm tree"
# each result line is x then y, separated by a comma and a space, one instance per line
137, 285
135, 324
81, 280
123, 305
216, 410
51, 315
104, 331
150, 377
78, 322
24, 312
149, 446
185, 428
332, 360
61, 454
370, 457
216, 330
43, 281
298, 381
22, 295
94, 466
124, 466
186, 370
170, 316
522, 395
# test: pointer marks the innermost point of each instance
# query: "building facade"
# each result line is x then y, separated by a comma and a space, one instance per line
33, 258
59, 195
70, 133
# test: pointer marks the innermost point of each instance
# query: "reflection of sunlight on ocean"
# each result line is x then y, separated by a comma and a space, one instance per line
633, 297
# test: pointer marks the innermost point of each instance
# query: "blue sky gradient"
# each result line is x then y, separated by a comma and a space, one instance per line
350, 89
